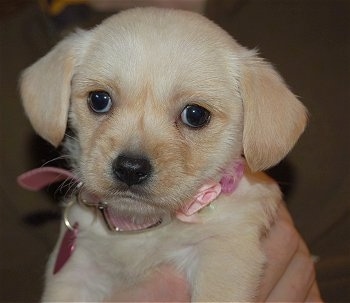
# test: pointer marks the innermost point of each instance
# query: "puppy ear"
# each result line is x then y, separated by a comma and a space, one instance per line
45, 89
273, 117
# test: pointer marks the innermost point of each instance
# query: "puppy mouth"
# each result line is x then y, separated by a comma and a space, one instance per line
125, 212
118, 222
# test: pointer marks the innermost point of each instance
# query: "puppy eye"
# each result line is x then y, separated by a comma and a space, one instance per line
195, 116
100, 102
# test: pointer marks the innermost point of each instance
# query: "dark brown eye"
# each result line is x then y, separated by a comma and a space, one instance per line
100, 102
195, 116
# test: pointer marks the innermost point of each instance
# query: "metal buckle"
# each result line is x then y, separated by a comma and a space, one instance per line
104, 210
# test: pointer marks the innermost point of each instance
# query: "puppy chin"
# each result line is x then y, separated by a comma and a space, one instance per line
136, 207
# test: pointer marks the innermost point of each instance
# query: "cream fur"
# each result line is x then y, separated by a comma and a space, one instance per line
153, 62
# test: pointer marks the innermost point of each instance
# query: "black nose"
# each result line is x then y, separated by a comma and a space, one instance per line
131, 170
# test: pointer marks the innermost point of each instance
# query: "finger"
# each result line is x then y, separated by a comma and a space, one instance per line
297, 281
279, 247
284, 214
174, 286
314, 294
163, 285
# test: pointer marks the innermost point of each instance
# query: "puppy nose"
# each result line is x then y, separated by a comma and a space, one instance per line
131, 170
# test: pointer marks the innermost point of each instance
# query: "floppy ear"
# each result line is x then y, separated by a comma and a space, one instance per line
46, 86
273, 117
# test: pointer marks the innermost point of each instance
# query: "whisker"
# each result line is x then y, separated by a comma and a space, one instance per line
62, 157
74, 138
68, 185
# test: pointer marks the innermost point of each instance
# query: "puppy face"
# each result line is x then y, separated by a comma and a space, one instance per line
160, 102
157, 82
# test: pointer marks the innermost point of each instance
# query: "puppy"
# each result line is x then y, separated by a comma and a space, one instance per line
172, 122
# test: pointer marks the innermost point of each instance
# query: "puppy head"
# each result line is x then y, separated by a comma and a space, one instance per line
160, 101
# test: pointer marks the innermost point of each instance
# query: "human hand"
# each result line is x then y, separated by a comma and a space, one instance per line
289, 274
163, 285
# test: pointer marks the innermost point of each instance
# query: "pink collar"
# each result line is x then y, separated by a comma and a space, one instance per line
210, 191
39, 178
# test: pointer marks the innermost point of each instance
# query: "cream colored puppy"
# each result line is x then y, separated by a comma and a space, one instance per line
163, 104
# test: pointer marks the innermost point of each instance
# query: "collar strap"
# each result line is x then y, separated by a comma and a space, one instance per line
210, 191
39, 178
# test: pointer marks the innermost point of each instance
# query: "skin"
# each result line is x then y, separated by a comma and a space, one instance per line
289, 274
